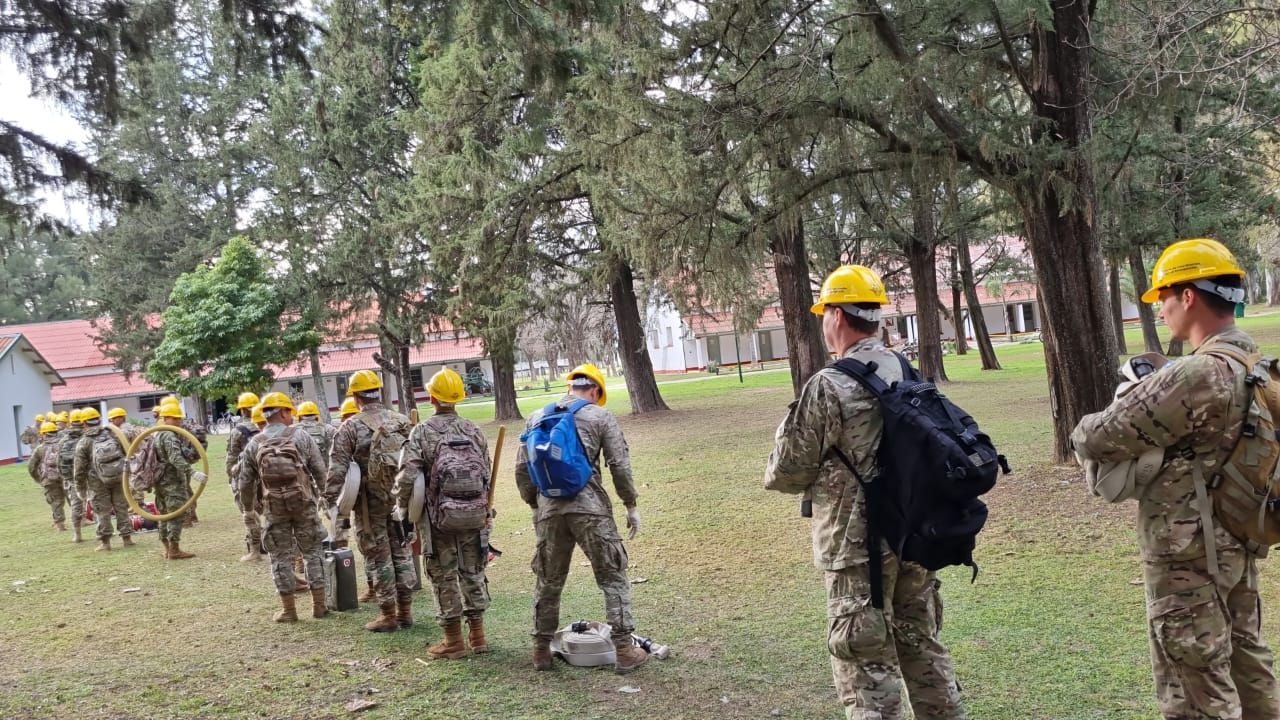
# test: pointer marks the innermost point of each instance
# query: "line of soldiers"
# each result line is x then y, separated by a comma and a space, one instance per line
282, 484
77, 459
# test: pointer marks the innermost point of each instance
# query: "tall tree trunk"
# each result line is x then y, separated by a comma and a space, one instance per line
957, 306
317, 379
1061, 229
922, 259
408, 403
503, 356
637, 366
805, 347
1273, 285
1150, 338
981, 335
1117, 302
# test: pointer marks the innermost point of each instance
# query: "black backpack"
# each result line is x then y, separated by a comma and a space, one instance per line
934, 463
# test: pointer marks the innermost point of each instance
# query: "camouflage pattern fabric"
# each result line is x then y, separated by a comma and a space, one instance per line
54, 494
172, 490
457, 567
1207, 652
600, 433
321, 433
67, 459
389, 564
598, 537
875, 654
30, 436
290, 523
107, 497
236, 442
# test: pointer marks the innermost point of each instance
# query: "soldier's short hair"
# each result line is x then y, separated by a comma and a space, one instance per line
866, 327
1218, 304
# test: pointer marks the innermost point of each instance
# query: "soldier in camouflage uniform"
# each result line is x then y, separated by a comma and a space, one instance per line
66, 468
172, 490
31, 434
322, 433
875, 654
236, 442
288, 509
1208, 655
390, 562
48, 478
454, 561
119, 418
585, 520
107, 493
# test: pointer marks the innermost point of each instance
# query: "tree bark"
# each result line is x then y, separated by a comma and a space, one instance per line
1150, 338
503, 356
957, 306
1117, 301
408, 403
637, 366
805, 347
922, 259
1273, 285
981, 335
317, 379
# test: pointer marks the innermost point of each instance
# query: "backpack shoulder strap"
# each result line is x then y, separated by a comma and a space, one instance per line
864, 373
577, 405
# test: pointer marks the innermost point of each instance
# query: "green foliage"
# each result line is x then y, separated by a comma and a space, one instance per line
41, 277
226, 328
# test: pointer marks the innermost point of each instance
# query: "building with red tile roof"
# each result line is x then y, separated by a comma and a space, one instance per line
26, 379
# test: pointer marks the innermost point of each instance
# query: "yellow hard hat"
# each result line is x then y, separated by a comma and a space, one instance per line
1190, 260
256, 415
308, 408
246, 400
592, 373
170, 410
348, 408
63, 417
40, 418
275, 400
446, 386
90, 414
74, 416
171, 400
850, 284
114, 413
363, 381
47, 428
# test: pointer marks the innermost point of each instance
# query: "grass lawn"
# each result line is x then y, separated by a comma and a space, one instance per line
1053, 627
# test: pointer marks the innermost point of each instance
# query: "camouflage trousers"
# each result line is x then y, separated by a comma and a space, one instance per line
877, 654
252, 523
286, 536
388, 565
76, 500
170, 497
457, 575
598, 537
56, 496
108, 501
1207, 651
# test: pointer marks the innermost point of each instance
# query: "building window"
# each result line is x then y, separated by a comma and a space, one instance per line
148, 402
341, 383
415, 379
295, 388
671, 337
653, 339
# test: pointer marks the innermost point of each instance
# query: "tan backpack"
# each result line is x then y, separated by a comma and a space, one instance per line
280, 464
1246, 488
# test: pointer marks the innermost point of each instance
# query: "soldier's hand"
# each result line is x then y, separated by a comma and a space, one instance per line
633, 522
199, 477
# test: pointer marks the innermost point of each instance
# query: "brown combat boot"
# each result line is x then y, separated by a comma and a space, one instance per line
288, 611
451, 646
404, 609
103, 544
475, 635
629, 655
386, 620
177, 553
541, 653
368, 595
318, 607
165, 549
127, 541
300, 584
254, 554
62, 526
76, 537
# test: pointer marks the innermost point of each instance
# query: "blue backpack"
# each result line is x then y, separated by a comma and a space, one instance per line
558, 463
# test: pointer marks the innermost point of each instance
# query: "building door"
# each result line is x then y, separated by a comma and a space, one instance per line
17, 429
765, 338
713, 349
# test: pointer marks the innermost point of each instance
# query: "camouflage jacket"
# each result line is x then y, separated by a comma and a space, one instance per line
351, 445
833, 410
1194, 403
600, 433
67, 454
236, 441
35, 463
420, 451
82, 465
248, 491
322, 433
170, 448
30, 436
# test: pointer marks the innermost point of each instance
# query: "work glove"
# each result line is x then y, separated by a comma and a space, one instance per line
633, 522
199, 477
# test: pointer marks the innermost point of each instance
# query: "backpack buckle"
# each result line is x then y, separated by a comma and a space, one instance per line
1249, 430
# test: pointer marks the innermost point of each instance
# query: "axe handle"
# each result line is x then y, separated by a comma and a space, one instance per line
493, 470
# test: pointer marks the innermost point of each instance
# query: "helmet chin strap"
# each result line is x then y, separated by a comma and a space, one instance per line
1230, 294
861, 313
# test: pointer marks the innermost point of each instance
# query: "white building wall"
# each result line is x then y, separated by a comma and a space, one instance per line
664, 338
26, 394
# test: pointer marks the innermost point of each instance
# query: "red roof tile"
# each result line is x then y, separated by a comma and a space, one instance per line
340, 361
103, 386
67, 344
